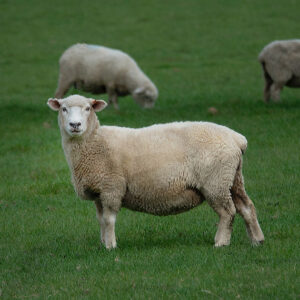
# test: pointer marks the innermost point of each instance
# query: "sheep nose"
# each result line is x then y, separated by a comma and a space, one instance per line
75, 125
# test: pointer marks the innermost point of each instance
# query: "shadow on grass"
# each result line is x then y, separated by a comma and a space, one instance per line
167, 242
78, 247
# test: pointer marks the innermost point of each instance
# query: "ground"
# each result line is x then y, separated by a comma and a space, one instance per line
200, 54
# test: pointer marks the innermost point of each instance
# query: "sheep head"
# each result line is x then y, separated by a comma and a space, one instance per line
145, 96
76, 113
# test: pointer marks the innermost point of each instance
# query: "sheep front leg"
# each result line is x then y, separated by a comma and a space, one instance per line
109, 219
113, 97
99, 213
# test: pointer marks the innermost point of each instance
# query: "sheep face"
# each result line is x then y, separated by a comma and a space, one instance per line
75, 112
145, 97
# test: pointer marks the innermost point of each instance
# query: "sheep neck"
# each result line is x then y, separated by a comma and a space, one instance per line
73, 146
132, 81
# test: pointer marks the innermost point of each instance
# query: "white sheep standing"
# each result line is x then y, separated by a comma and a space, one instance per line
280, 61
98, 70
162, 169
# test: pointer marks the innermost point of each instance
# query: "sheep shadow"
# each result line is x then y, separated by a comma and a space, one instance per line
172, 241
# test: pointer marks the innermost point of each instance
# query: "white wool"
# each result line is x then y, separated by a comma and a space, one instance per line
280, 61
99, 70
162, 169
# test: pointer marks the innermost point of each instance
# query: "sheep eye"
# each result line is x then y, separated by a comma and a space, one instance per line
64, 109
87, 109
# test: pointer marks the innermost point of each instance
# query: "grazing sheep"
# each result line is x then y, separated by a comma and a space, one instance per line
280, 61
162, 169
99, 70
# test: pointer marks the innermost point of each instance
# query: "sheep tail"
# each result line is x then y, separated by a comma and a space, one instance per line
267, 76
263, 64
241, 141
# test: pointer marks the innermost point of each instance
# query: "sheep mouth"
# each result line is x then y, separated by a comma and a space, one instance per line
75, 131
148, 105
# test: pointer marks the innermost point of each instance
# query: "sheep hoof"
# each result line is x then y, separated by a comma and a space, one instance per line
222, 243
256, 243
110, 246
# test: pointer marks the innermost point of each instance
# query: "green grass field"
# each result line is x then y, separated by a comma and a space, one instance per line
199, 54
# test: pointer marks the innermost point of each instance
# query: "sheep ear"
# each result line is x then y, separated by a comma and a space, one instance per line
98, 105
139, 90
53, 104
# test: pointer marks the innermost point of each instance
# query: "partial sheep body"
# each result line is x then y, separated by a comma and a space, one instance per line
162, 169
99, 70
280, 61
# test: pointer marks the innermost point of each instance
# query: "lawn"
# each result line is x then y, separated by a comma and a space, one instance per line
200, 54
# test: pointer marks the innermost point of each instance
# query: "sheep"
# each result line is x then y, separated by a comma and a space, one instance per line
98, 70
163, 169
280, 61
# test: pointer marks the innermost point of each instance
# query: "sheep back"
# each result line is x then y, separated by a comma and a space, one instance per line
93, 68
282, 59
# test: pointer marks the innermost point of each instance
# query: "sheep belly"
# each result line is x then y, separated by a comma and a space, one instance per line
97, 88
90, 87
165, 204
294, 82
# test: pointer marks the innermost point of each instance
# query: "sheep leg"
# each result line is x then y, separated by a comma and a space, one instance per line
268, 83
275, 90
226, 212
223, 205
246, 209
109, 220
99, 213
63, 86
113, 97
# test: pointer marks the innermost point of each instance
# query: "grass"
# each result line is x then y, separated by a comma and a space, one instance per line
200, 54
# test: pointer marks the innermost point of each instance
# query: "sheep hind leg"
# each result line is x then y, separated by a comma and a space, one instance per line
63, 86
246, 209
99, 214
225, 208
275, 90
268, 83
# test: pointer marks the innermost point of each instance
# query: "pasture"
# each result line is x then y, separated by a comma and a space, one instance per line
200, 54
